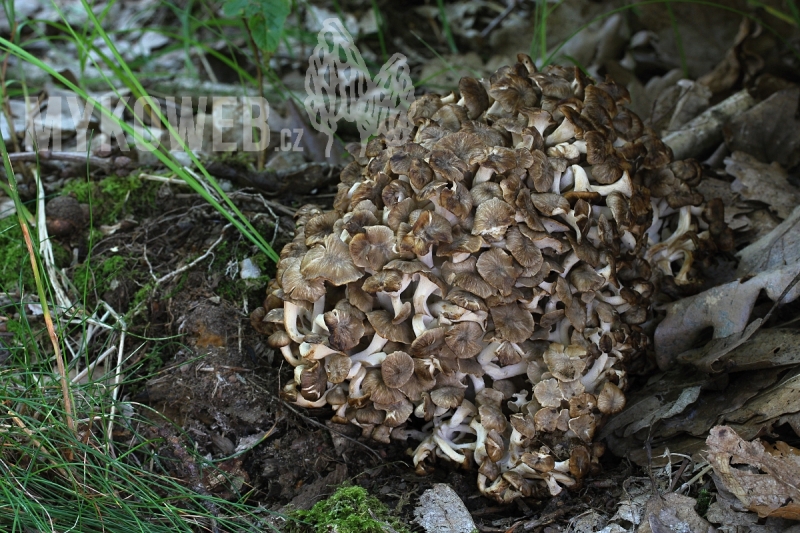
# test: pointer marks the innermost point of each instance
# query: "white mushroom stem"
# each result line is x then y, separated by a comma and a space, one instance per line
567, 180
315, 351
564, 132
290, 315
319, 308
480, 440
371, 360
562, 466
515, 446
354, 387
592, 378
665, 247
628, 241
427, 259
375, 345
623, 185
488, 353
460, 415
425, 288
319, 325
289, 356
571, 260
444, 446
477, 383
405, 434
419, 323
484, 174
302, 402
509, 371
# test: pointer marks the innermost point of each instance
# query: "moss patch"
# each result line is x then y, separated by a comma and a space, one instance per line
15, 264
97, 276
113, 197
348, 510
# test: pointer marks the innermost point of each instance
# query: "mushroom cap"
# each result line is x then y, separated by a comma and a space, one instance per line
373, 248
464, 339
397, 369
611, 399
345, 327
330, 261
513, 323
382, 322
497, 268
474, 95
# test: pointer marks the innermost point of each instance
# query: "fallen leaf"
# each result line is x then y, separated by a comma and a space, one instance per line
770, 131
672, 512
727, 308
763, 183
767, 485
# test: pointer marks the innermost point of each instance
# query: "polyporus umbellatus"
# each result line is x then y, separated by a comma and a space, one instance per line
481, 288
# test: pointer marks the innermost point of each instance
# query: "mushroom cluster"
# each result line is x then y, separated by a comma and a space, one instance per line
480, 285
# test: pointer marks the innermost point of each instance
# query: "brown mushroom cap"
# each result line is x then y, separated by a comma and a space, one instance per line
464, 339
513, 323
611, 400
474, 95
497, 268
331, 262
397, 369
381, 320
345, 327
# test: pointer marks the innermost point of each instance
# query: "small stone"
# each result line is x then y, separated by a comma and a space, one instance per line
248, 269
440, 510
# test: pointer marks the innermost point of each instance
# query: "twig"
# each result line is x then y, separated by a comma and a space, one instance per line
705, 131
323, 426
107, 164
267, 203
187, 266
117, 375
499, 18
689, 483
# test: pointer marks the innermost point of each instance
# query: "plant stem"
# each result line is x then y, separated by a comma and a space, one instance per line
260, 80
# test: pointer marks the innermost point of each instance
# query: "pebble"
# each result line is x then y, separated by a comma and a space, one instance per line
440, 510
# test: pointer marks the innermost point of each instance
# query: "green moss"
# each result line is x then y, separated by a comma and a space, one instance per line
703, 502
15, 264
97, 275
113, 197
349, 510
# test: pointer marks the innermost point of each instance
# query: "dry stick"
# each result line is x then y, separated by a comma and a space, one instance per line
705, 131
73, 157
186, 267
117, 376
46, 247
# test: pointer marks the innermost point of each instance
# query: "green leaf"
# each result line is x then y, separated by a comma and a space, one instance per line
233, 8
265, 18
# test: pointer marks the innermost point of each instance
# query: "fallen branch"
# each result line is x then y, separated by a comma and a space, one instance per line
704, 132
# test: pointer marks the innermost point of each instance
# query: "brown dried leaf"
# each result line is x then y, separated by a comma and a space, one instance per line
762, 182
770, 131
773, 262
773, 490
672, 512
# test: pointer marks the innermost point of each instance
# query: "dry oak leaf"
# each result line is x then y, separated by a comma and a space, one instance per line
768, 484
